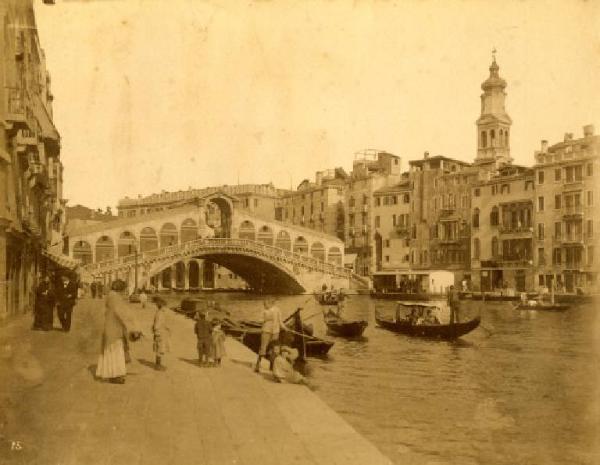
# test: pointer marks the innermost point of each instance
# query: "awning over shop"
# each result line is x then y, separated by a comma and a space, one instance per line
48, 129
349, 258
62, 261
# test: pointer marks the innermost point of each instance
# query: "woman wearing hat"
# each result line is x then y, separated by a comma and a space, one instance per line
111, 363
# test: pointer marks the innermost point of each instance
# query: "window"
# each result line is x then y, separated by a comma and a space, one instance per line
557, 230
494, 189
387, 258
590, 255
505, 189
477, 192
541, 279
540, 177
557, 199
377, 225
377, 201
589, 169
578, 173
541, 257
494, 247
255, 203
540, 204
528, 185
387, 243
365, 199
406, 198
476, 218
557, 174
483, 139
556, 256
351, 202
476, 247
494, 216
590, 228
590, 198
540, 230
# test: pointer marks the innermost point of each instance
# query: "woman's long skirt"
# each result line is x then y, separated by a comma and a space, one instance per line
111, 363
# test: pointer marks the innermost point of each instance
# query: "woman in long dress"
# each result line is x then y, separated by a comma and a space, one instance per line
111, 363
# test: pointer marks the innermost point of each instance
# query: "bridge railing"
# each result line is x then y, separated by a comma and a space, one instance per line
259, 248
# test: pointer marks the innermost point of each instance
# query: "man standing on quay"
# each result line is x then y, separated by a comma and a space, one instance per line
66, 294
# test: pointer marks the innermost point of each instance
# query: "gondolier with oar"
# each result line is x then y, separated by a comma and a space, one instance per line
454, 304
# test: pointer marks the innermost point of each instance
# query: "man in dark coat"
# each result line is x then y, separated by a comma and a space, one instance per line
454, 304
66, 294
44, 305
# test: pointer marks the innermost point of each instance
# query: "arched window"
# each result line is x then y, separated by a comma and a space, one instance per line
483, 139
476, 248
476, 218
247, 230
500, 137
494, 217
506, 138
492, 137
494, 247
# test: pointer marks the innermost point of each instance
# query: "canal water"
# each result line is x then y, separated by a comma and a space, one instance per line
521, 389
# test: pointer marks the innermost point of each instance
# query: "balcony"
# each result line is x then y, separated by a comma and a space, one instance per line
572, 211
569, 239
24, 139
16, 111
515, 231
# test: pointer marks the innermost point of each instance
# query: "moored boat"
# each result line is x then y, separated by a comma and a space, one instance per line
343, 328
248, 332
328, 297
542, 306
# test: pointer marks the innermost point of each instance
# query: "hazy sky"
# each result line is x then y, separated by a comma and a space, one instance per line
166, 94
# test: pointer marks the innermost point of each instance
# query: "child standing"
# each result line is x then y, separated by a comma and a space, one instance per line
203, 334
161, 333
218, 343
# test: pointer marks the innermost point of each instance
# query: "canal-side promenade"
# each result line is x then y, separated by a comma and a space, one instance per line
53, 412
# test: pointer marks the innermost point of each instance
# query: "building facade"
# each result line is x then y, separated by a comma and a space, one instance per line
371, 171
502, 230
31, 173
566, 224
318, 205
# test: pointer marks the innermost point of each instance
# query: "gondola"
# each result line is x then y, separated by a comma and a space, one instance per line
248, 332
411, 327
343, 328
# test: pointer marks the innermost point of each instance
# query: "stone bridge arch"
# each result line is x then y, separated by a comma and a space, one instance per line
272, 277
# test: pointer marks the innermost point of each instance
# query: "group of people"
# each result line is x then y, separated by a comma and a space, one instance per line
210, 340
50, 294
97, 290
275, 345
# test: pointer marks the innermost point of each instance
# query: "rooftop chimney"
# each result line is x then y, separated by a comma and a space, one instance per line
426, 155
588, 130
319, 177
544, 146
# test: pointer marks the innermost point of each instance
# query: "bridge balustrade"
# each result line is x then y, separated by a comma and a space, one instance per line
238, 245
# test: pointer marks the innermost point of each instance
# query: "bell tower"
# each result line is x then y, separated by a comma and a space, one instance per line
493, 125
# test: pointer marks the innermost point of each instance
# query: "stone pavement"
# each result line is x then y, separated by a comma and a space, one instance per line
53, 411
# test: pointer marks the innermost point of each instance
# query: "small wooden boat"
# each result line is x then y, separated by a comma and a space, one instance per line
248, 332
328, 298
542, 306
343, 328
412, 325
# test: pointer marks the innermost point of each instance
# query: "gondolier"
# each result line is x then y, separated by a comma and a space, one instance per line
454, 305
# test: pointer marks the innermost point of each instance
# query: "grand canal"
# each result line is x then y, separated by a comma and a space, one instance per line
521, 390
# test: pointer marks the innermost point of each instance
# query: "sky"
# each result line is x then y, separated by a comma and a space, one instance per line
155, 95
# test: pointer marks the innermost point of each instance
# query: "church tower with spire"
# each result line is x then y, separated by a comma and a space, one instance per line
493, 125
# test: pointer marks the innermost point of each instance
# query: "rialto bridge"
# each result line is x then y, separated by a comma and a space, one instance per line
177, 248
